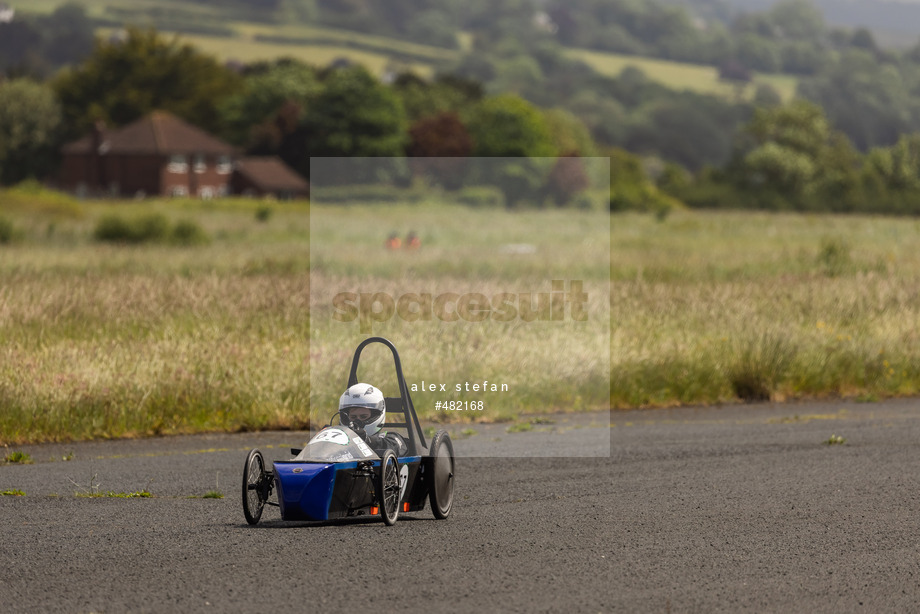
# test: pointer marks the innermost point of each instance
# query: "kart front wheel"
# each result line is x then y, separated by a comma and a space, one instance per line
441, 487
388, 488
255, 486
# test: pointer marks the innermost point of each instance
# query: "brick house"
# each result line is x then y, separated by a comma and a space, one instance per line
157, 155
161, 155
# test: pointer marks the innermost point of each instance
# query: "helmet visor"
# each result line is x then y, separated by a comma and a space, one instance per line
357, 416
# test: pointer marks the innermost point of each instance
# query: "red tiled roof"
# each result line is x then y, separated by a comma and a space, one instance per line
270, 174
84, 145
158, 133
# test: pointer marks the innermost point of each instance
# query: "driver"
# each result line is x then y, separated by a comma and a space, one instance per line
362, 408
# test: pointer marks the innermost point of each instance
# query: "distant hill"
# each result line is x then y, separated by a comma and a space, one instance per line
247, 31
894, 22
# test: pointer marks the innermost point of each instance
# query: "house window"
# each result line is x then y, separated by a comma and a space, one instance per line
200, 164
177, 164
179, 191
207, 192
224, 165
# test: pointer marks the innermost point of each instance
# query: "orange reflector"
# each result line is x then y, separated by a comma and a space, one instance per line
406, 506
375, 510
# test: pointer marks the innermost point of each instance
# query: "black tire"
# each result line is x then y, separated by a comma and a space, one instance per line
254, 495
441, 481
388, 488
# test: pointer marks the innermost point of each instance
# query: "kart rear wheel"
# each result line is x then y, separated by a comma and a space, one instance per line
388, 488
441, 486
254, 492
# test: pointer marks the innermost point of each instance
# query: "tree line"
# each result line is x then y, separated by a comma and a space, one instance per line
782, 156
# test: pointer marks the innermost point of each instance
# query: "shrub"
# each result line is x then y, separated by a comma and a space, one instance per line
30, 196
263, 213
188, 232
6, 230
834, 256
114, 229
151, 228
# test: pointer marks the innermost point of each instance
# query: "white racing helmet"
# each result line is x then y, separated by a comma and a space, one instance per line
368, 397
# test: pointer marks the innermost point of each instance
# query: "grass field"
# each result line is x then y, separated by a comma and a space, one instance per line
682, 76
248, 50
103, 340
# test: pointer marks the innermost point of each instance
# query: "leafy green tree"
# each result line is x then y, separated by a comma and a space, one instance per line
796, 156
758, 52
899, 165
775, 167
569, 133
124, 80
509, 126
29, 119
519, 179
797, 20
802, 58
685, 129
799, 126
630, 189
787, 143
605, 117
266, 91
838, 182
422, 98
872, 104
354, 116
518, 74
863, 39
433, 27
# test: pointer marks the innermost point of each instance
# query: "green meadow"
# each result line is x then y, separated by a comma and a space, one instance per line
683, 76
123, 340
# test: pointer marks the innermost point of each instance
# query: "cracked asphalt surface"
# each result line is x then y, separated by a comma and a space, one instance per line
694, 510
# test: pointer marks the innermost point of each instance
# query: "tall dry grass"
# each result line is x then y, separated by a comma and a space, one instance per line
112, 341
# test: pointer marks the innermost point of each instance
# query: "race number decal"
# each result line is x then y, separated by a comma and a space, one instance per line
333, 436
403, 480
365, 450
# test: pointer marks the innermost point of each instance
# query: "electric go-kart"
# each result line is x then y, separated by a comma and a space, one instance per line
337, 475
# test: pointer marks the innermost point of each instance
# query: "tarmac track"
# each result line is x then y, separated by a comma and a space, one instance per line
694, 510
